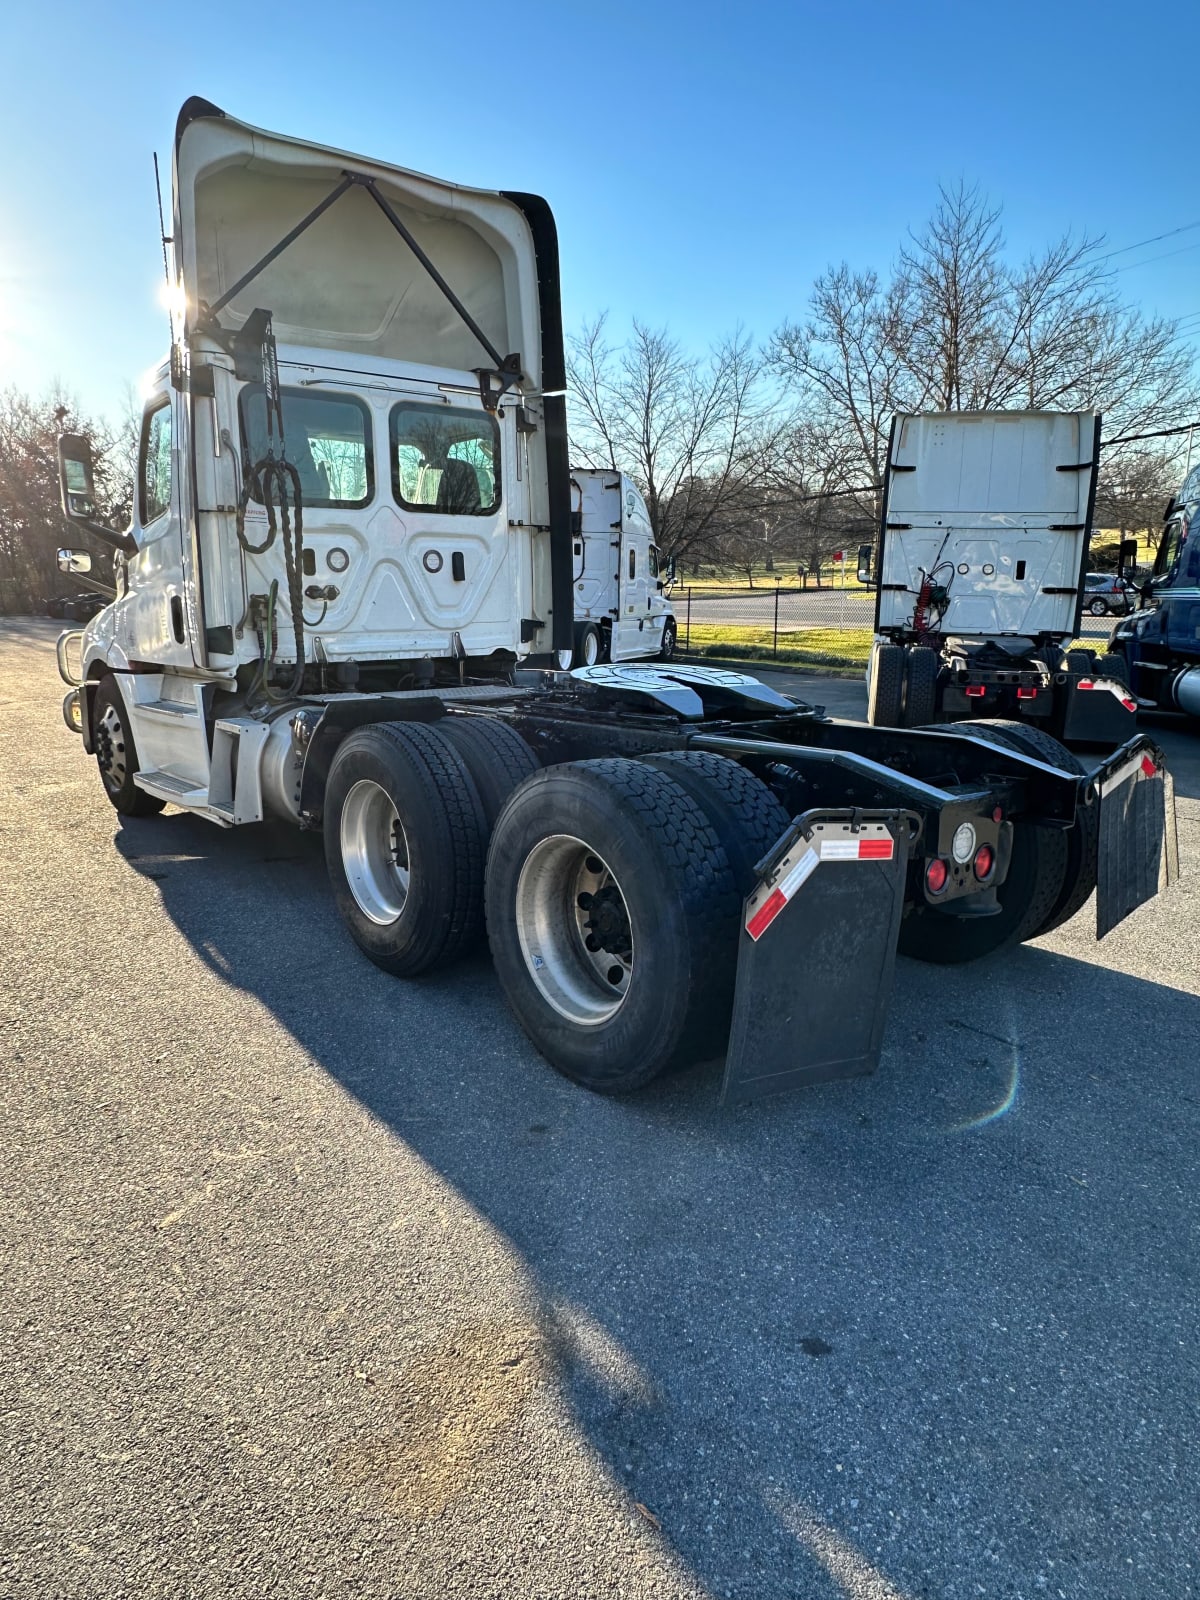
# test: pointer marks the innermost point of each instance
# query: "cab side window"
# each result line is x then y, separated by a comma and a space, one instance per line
154, 469
1169, 547
633, 563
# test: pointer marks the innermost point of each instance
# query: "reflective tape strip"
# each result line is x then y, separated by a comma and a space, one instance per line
857, 849
1114, 688
851, 847
1132, 767
761, 917
766, 914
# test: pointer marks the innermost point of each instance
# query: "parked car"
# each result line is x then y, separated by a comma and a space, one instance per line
1105, 594
75, 607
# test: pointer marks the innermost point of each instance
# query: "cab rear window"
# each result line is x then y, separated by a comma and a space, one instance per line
445, 459
328, 440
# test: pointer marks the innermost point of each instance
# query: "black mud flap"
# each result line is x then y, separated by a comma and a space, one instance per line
1138, 846
1097, 711
816, 952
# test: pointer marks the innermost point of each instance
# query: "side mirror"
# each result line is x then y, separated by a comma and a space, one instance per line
74, 561
77, 490
76, 477
865, 552
670, 569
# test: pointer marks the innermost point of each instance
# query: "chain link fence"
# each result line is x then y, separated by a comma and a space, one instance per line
832, 624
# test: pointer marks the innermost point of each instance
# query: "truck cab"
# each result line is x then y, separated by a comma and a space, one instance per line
621, 609
982, 573
1161, 642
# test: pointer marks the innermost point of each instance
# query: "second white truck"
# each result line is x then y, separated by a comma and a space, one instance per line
621, 609
979, 581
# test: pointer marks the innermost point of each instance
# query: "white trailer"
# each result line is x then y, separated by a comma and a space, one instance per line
980, 576
353, 530
621, 609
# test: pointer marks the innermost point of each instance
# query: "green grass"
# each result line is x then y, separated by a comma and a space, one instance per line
735, 578
840, 647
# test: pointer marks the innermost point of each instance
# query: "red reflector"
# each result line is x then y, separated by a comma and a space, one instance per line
984, 862
976, 691
766, 913
998, 814
1130, 705
1085, 683
936, 874
1026, 694
874, 849
1148, 767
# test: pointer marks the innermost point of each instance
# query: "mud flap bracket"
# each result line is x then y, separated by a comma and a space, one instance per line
816, 953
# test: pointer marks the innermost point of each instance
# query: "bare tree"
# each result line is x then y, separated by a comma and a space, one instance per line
1132, 493
694, 432
845, 367
32, 525
958, 326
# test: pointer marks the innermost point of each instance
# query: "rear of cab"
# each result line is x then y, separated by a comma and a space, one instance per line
432, 484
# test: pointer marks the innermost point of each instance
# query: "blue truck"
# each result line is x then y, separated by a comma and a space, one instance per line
1160, 643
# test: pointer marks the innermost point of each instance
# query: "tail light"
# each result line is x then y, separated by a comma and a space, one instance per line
975, 691
985, 861
1026, 694
936, 874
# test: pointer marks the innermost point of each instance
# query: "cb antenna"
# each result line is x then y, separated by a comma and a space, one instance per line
166, 239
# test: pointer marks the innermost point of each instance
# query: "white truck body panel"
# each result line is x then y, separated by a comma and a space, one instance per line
361, 329
616, 563
1001, 502
348, 283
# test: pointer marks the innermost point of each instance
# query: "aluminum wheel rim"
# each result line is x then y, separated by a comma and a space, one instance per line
375, 853
110, 749
591, 650
568, 897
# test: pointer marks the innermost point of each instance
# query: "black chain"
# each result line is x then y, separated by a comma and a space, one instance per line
275, 475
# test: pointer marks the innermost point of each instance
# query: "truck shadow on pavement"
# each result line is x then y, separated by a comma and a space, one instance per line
930, 1332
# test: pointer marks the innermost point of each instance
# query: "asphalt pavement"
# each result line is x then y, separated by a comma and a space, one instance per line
316, 1283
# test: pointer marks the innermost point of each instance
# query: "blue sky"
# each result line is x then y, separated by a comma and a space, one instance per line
704, 161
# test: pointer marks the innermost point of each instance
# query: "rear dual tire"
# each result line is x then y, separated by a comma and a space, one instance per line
1051, 871
408, 811
903, 688
614, 891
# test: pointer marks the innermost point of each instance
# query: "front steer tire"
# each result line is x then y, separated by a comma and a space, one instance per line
412, 900
675, 911
116, 753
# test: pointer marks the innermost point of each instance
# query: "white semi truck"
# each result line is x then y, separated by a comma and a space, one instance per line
353, 529
980, 577
621, 609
